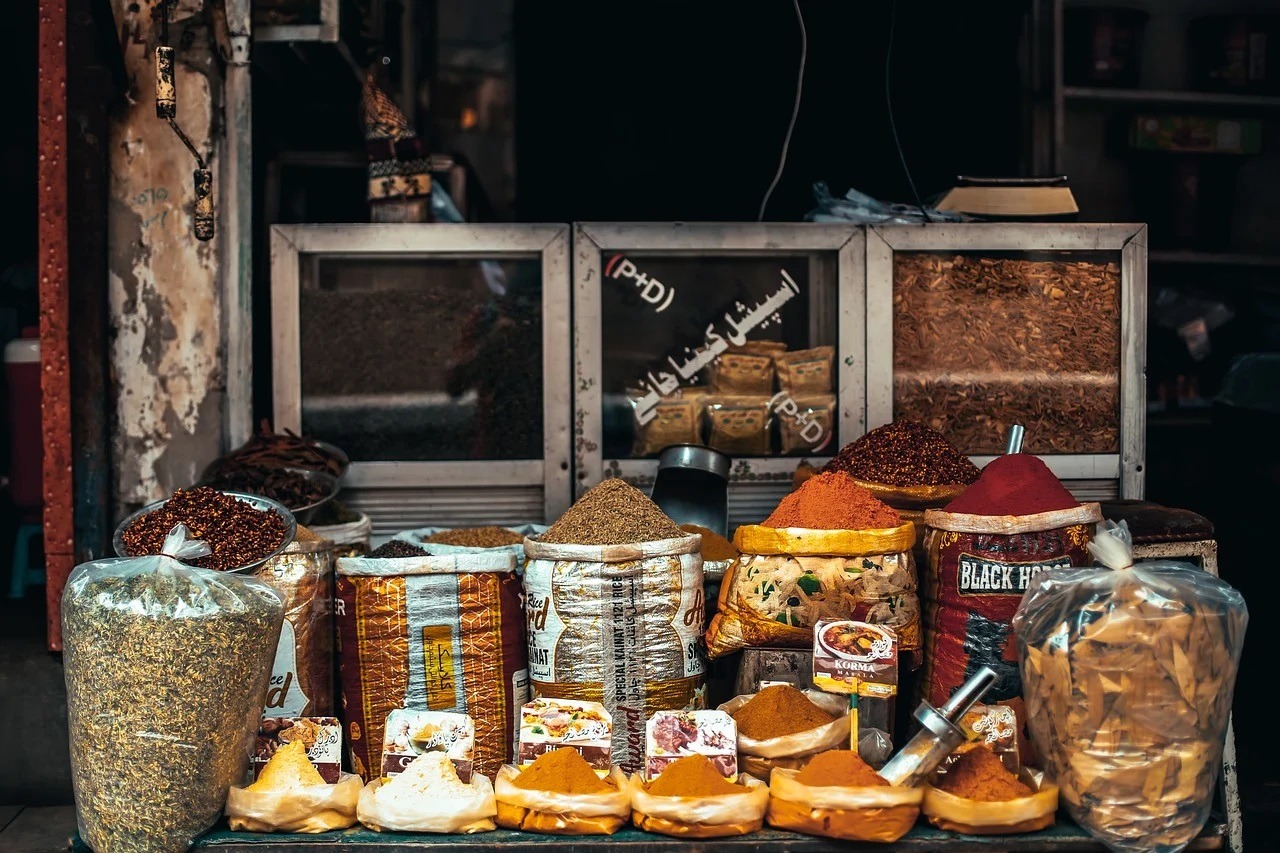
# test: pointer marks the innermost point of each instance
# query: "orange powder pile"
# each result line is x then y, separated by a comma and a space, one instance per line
777, 711
839, 768
833, 501
564, 771
692, 776
978, 774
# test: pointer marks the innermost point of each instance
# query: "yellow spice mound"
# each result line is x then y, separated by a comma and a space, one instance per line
287, 769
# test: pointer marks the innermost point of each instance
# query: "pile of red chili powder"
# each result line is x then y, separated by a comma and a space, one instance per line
832, 501
1016, 484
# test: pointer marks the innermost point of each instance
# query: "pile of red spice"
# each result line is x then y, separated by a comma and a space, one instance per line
833, 501
905, 453
1016, 484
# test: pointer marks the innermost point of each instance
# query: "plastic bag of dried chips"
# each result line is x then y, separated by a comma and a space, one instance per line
1127, 672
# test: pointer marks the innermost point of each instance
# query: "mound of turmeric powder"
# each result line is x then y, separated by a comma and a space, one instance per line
978, 774
563, 771
777, 711
839, 768
692, 776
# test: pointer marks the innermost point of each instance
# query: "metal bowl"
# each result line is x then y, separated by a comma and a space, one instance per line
335, 451
256, 501
303, 514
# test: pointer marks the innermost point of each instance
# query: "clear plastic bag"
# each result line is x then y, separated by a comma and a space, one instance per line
166, 668
1128, 671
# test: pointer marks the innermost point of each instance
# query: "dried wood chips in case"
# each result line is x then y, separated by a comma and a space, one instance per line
805, 371
739, 425
743, 373
439, 633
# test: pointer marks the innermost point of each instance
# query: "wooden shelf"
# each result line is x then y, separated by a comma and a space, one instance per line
1223, 259
1065, 837
1170, 96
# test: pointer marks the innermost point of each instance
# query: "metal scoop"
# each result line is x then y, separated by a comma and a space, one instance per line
939, 735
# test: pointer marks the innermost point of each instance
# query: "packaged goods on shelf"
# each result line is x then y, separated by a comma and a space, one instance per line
302, 675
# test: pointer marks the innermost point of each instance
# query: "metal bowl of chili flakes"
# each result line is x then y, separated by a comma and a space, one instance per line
256, 501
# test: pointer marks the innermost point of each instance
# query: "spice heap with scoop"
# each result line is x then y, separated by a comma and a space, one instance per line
838, 795
905, 453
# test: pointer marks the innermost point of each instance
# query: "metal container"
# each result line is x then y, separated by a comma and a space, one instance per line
256, 501
692, 486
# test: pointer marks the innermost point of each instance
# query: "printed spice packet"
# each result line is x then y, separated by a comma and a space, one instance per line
322, 737
674, 734
861, 660
548, 724
411, 733
997, 727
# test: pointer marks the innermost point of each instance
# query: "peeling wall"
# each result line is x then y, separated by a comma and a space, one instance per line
164, 291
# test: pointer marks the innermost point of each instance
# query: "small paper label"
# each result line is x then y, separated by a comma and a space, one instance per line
855, 657
411, 733
548, 724
674, 734
997, 727
321, 736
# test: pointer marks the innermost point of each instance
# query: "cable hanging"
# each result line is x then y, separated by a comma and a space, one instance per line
167, 109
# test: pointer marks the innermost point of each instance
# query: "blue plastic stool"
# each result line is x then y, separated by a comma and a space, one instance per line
23, 574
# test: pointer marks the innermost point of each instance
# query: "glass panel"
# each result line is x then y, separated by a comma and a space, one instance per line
718, 350
983, 341
423, 359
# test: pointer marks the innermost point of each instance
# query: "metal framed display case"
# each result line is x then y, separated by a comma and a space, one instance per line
671, 320
974, 327
437, 357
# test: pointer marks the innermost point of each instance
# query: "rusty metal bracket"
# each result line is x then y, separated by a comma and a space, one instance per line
167, 109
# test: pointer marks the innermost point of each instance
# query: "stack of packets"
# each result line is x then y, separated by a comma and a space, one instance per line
861, 660
428, 781
297, 780
735, 411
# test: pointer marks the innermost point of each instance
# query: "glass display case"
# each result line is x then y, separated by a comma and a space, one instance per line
972, 328
437, 357
748, 338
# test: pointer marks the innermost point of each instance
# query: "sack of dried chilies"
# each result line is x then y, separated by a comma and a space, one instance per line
166, 667
1128, 671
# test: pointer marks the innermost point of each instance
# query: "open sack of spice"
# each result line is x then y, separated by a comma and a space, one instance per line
1128, 671
428, 796
781, 726
838, 795
290, 795
974, 793
559, 793
690, 799
157, 741
830, 551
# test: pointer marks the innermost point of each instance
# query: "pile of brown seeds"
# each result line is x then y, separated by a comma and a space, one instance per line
477, 537
905, 453
166, 674
398, 548
612, 512
236, 532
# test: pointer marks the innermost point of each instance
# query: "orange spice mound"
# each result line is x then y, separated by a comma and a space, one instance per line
563, 771
839, 768
833, 501
978, 774
777, 711
692, 776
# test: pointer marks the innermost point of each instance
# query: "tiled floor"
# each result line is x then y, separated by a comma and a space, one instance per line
35, 829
